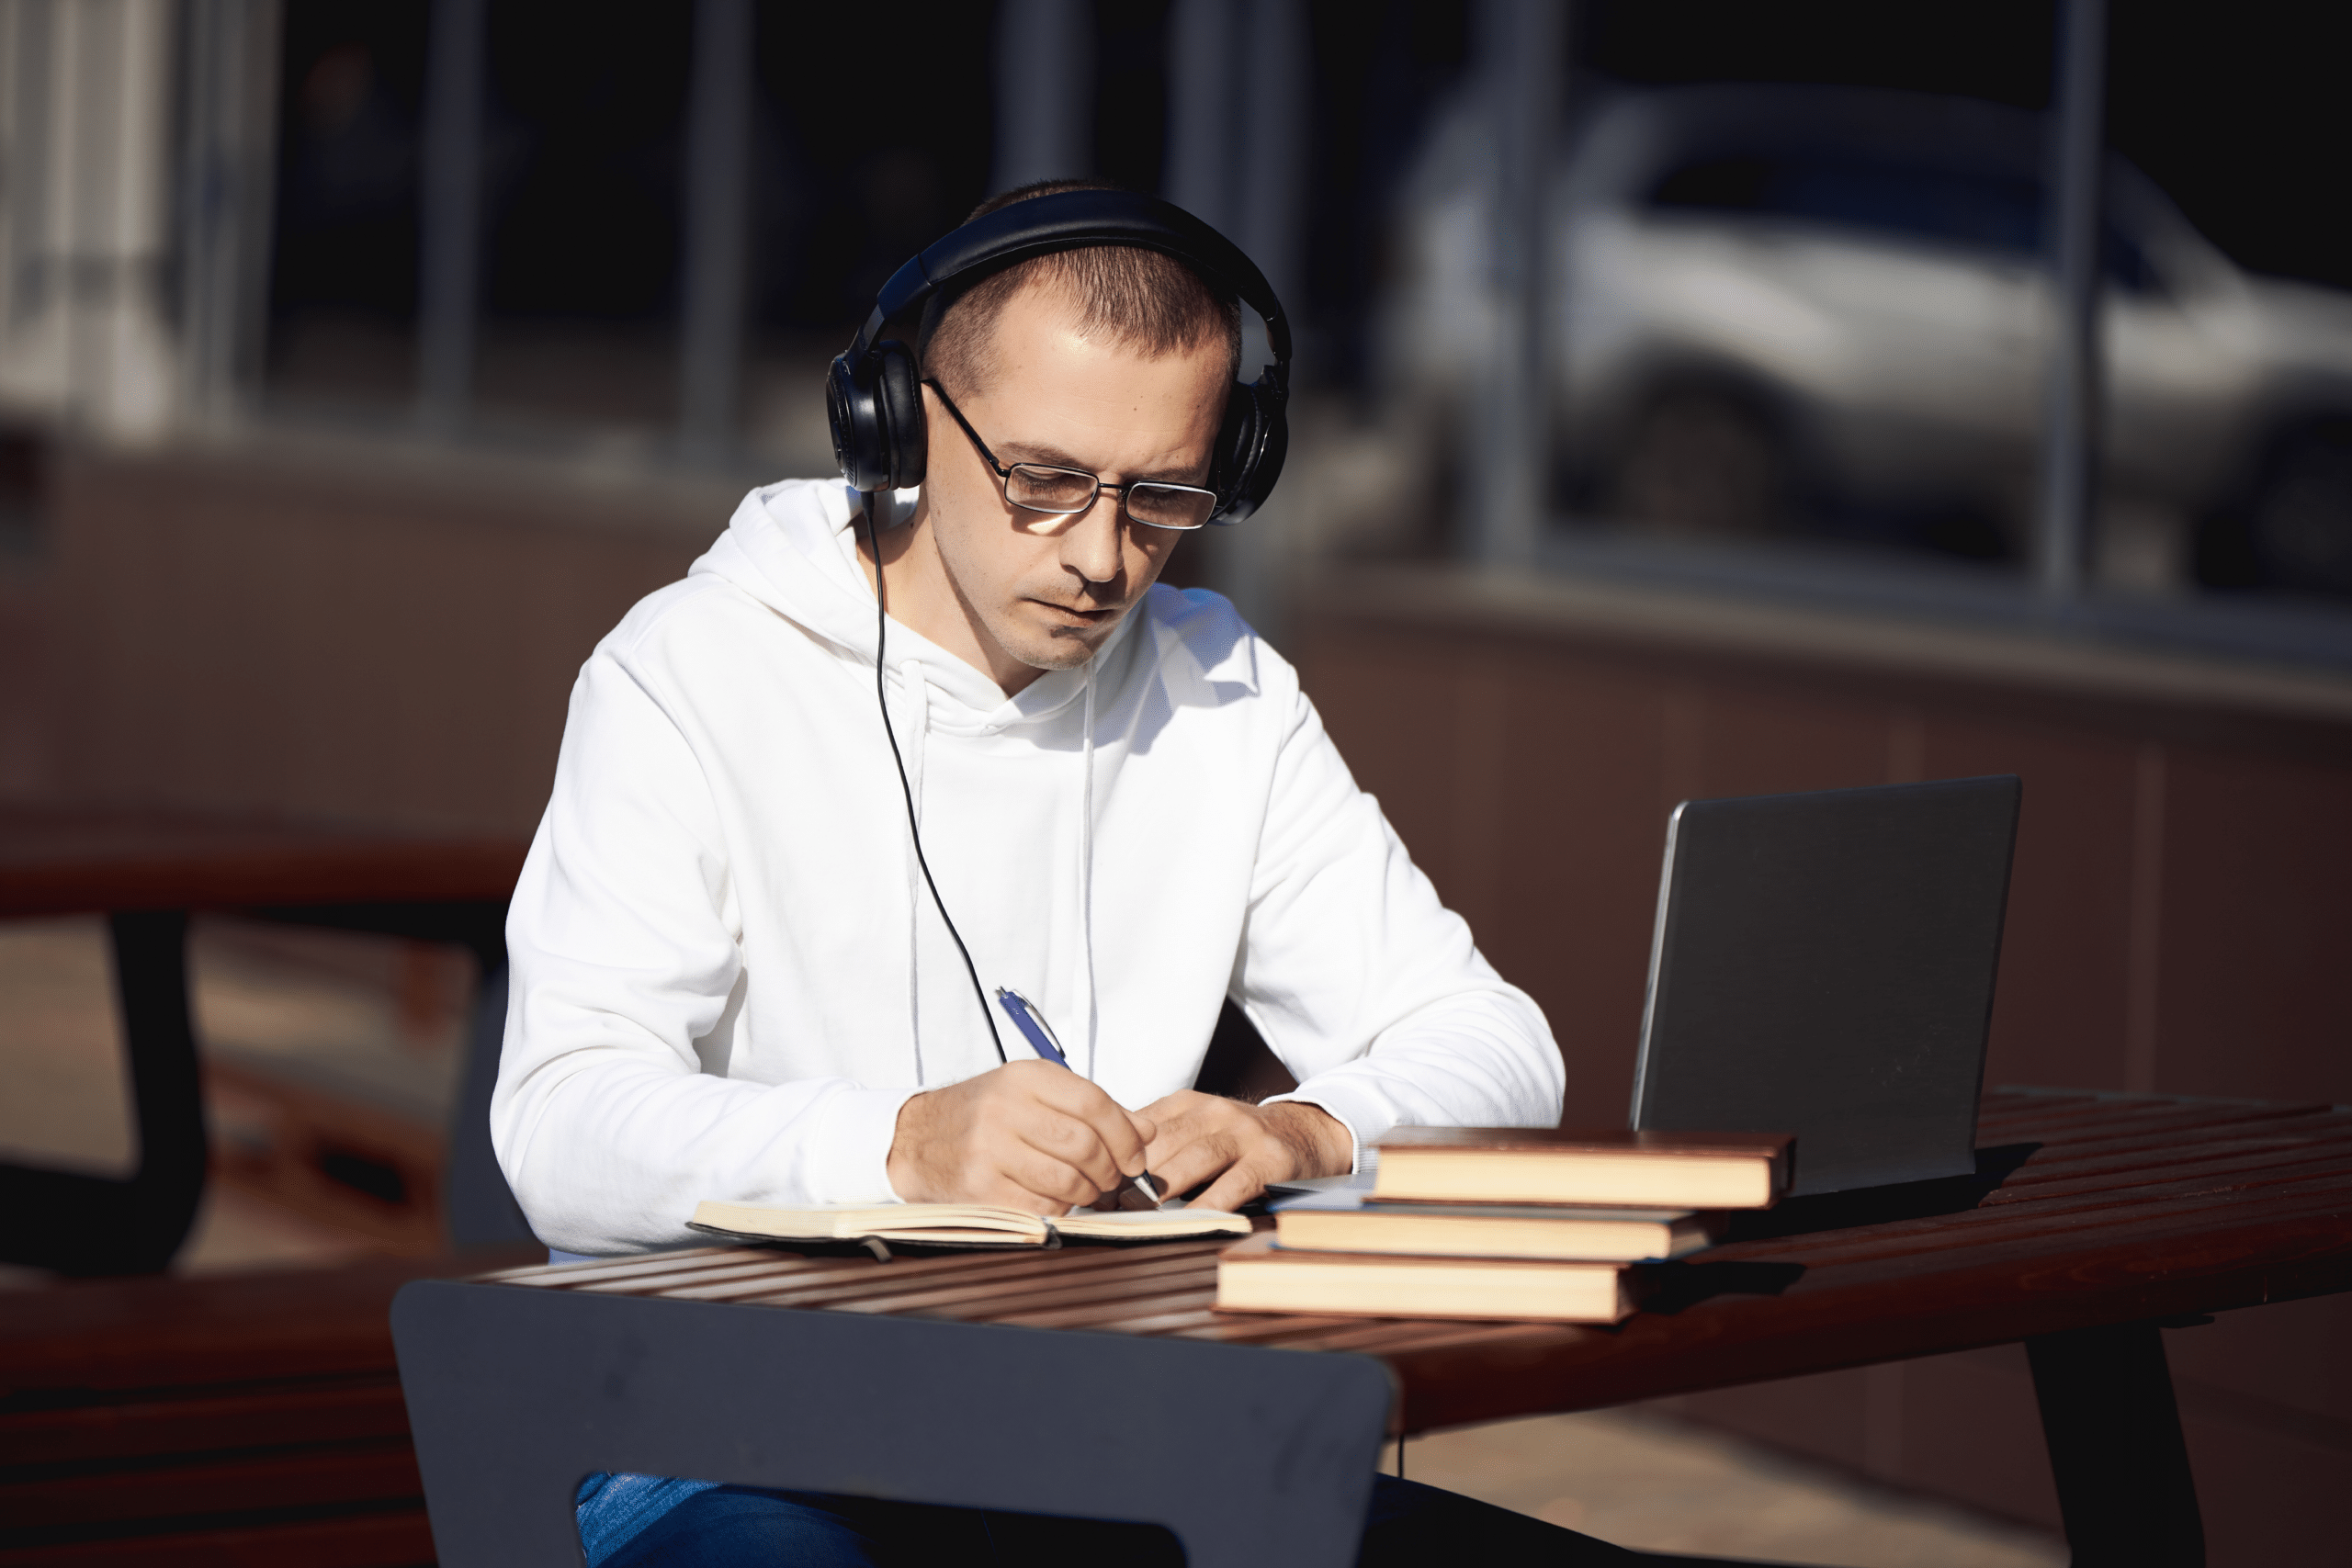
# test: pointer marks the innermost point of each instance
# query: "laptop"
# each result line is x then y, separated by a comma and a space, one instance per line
1822, 965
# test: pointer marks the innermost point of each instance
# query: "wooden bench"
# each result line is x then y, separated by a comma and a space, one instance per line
253, 1419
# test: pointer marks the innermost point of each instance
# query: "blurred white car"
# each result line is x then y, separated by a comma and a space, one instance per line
1823, 310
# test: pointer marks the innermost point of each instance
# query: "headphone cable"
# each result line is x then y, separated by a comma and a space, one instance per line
882, 700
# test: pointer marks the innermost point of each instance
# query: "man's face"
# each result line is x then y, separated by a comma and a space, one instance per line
1042, 592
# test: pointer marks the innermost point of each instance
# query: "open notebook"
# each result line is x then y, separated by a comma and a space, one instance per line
960, 1225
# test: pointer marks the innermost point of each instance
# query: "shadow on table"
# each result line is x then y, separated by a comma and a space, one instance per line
1884, 1205
1687, 1284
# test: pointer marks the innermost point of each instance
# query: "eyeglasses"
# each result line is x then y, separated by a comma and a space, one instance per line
1066, 492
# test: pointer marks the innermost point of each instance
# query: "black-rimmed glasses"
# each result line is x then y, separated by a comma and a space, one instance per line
1042, 487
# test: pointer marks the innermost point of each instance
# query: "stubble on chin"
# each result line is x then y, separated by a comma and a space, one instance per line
1062, 647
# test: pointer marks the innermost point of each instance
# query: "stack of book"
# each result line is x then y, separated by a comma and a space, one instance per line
1503, 1222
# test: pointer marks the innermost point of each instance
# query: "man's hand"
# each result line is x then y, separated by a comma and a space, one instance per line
1244, 1146
1026, 1136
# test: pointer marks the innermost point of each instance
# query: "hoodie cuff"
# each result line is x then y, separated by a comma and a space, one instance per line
1363, 1112
847, 1154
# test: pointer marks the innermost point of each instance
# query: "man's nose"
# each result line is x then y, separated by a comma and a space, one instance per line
1091, 543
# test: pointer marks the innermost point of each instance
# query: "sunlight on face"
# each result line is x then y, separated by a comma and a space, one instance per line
1046, 591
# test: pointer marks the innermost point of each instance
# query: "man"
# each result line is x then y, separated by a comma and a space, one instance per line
731, 977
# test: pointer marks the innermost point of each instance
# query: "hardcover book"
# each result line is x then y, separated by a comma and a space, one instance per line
1258, 1275
1594, 1168
1350, 1220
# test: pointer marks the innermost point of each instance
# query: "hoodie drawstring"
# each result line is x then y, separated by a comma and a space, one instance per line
914, 689
912, 685
1086, 868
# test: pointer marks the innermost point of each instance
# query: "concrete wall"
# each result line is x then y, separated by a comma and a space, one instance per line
322, 629
2176, 922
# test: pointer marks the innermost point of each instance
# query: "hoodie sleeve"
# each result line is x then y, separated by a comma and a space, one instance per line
624, 968
1368, 989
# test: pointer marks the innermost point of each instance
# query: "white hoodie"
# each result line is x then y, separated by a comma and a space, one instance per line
726, 974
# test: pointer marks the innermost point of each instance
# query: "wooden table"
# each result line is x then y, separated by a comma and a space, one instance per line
60, 861
2093, 1222
145, 872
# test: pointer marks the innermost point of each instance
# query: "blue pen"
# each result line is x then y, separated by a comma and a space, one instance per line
1032, 1025
1040, 1035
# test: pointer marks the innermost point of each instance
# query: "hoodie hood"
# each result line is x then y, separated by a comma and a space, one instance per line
793, 546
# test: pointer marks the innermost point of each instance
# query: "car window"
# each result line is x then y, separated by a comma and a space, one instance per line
1964, 209
2127, 267
1979, 211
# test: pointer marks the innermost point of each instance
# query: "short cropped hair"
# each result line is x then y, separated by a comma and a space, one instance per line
1140, 298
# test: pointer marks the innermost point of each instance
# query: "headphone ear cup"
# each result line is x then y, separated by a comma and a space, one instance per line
875, 406
1250, 446
898, 393
861, 450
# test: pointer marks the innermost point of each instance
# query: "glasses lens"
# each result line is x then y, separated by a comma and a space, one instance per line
1049, 490
1170, 506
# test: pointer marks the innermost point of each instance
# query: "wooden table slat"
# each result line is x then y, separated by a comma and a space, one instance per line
786, 1271
63, 861
1988, 1225
268, 1415
1111, 1298
2146, 1129
2027, 1182
2033, 1226
681, 1278
1111, 1314
563, 1276
1015, 1295
878, 1284
2015, 1246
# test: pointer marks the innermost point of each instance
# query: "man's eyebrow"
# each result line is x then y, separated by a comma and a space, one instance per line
1010, 452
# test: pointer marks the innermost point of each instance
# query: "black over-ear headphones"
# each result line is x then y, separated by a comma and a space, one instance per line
874, 394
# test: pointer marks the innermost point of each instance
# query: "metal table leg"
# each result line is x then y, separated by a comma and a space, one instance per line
2116, 1450
1248, 1455
93, 1224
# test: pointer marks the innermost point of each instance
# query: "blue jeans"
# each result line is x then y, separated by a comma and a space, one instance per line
643, 1523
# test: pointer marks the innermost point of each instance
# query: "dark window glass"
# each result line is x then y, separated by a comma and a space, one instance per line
1980, 211
1949, 206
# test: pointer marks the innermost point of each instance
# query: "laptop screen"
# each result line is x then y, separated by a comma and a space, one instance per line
1822, 965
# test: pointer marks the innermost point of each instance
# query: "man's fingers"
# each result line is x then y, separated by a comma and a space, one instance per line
1187, 1122
1169, 1139
1235, 1187
1169, 1105
1074, 1096
1047, 1177
1076, 1142
1005, 1193
1091, 1165
1181, 1120
1117, 1132
1186, 1166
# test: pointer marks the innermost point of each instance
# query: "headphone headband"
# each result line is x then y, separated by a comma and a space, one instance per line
1071, 221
